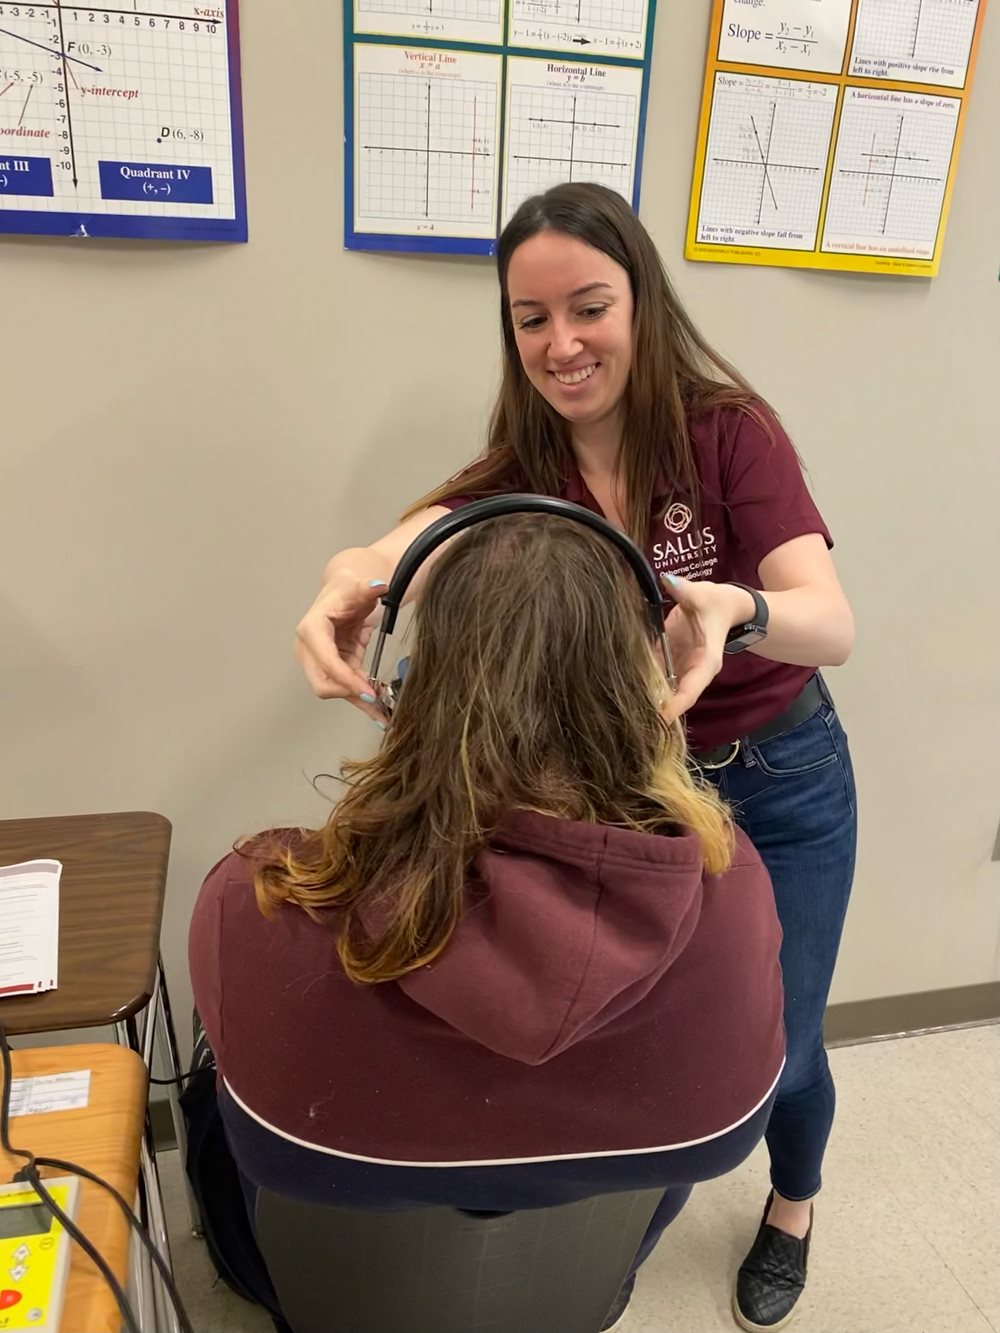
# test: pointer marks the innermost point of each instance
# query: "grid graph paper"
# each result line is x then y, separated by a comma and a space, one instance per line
480, 11
448, 129
627, 16
427, 151
935, 32
117, 87
765, 164
592, 27
860, 184
890, 172
568, 134
445, 20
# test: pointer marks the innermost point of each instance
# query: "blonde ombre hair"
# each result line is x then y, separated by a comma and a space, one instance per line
532, 685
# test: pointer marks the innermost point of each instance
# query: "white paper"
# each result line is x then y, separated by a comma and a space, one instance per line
786, 33
569, 120
50, 1092
29, 927
426, 140
584, 27
915, 41
445, 20
765, 161
890, 173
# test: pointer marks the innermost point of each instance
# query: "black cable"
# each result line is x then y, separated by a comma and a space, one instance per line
58, 1164
29, 1173
174, 1082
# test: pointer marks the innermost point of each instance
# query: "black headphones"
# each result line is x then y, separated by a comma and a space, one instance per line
496, 507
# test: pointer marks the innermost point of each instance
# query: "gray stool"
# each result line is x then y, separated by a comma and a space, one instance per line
438, 1270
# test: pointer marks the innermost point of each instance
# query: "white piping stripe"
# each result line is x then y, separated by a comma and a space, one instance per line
498, 1161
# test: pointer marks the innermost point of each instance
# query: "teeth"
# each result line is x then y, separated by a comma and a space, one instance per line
575, 376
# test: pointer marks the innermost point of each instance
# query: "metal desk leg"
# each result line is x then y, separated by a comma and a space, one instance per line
167, 1041
141, 1269
167, 1320
140, 1038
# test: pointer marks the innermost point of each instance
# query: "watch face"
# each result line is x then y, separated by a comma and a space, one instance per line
749, 634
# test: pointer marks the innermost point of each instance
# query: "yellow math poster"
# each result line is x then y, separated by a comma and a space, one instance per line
830, 131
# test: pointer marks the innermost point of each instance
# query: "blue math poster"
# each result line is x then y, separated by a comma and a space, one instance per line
123, 120
457, 110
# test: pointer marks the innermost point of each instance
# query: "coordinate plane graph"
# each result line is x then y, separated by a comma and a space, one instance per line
448, 20
596, 27
890, 173
569, 123
426, 142
121, 120
414, 164
765, 161
920, 41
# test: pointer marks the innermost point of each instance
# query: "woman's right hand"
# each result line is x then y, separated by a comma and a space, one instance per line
332, 636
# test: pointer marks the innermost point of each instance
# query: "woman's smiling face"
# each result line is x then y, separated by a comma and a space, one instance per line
571, 309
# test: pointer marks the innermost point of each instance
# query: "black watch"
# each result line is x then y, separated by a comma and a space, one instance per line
740, 637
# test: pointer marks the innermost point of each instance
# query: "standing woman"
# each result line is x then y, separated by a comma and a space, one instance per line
612, 399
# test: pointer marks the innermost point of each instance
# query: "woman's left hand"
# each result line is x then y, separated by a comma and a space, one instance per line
697, 628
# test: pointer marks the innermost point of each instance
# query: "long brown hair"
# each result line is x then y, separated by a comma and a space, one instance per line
675, 374
532, 685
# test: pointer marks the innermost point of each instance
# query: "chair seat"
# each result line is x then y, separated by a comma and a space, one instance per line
438, 1270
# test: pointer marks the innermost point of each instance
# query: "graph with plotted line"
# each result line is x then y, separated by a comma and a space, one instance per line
765, 162
426, 142
889, 173
457, 110
847, 161
444, 20
569, 123
597, 27
121, 120
918, 41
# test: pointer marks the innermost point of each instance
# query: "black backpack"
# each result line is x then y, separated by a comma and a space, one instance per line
217, 1189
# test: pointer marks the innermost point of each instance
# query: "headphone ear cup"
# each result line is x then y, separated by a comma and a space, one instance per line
396, 685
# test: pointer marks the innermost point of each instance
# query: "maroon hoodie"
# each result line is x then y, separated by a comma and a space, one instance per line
602, 995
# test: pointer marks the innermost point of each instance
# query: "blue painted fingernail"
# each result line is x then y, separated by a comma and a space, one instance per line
670, 578
380, 725
377, 583
367, 698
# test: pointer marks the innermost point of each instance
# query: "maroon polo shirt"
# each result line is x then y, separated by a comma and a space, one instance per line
753, 499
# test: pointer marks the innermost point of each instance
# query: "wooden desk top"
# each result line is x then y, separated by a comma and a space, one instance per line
110, 904
104, 1137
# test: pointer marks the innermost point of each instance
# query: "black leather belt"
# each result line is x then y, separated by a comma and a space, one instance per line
800, 710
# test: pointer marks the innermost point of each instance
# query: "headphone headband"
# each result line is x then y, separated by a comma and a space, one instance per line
496, 506
479, 511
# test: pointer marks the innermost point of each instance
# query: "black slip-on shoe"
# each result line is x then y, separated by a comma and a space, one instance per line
771, 1278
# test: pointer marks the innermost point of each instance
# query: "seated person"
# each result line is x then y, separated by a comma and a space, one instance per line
525, 936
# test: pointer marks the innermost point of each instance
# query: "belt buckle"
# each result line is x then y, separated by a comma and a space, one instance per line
711, 768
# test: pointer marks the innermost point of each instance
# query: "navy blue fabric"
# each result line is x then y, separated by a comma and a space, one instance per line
269, 1160
795, 797
265, 1159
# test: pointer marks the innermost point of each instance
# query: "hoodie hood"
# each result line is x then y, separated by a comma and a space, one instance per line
569, 925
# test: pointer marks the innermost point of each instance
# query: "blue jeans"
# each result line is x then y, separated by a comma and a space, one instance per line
795, 797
